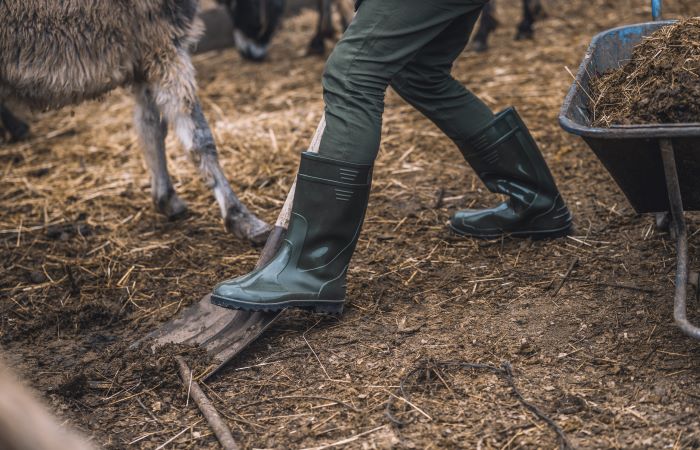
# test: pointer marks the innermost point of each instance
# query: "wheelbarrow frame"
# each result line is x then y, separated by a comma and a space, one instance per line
654, 182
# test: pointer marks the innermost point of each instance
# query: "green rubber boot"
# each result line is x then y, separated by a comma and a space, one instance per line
508, 161
309, 269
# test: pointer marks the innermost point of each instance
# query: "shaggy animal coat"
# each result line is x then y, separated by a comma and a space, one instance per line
55, 53
26, 425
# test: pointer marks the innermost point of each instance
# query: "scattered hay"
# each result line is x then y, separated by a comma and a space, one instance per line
416, 291
661, 83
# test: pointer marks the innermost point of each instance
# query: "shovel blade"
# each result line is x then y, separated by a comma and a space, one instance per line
223, 333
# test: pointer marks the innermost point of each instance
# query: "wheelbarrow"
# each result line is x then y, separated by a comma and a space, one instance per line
656, 166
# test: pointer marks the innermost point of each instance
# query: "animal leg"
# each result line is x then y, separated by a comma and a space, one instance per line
198, 141
18, 130
487, 24
532, 10
345, 7
152, 129
326, 11
174, 90
317, 46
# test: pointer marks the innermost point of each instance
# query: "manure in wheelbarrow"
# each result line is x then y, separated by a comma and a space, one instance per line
660, 84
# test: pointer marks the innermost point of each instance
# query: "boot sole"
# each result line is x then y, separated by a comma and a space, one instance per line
318, 306
534, 234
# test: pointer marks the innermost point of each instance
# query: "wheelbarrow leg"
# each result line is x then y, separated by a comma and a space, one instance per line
678, 220
663, 221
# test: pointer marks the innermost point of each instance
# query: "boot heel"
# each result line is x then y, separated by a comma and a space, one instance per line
334, 309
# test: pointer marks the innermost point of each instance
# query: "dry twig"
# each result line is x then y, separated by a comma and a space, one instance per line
505, 371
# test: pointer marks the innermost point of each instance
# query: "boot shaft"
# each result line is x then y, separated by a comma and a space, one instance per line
309, 269
507, 159
328, 211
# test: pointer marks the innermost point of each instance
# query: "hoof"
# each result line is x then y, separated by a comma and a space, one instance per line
524, 35
19, 131
317, 47
172, 207
248, 227
480, 46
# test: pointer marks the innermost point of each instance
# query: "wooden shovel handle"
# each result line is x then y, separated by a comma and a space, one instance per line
277, 234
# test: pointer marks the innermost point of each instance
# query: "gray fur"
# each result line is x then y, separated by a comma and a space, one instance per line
25, 423
57, 53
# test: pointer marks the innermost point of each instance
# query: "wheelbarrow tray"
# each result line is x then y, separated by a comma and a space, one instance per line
656, 166
631, 153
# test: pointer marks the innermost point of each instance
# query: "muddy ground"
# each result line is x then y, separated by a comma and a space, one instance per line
88, 267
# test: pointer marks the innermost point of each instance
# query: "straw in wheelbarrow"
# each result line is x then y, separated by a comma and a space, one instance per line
659, 84
642, 157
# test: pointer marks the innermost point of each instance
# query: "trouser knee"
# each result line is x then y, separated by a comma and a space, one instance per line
354, 98
432, 94
331, 70
445, 101
433, 87
335, 72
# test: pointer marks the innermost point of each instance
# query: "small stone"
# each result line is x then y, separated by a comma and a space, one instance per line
37, 277
84, 230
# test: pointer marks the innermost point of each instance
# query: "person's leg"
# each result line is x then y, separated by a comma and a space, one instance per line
500, 149
382, 39
426, 83
333, 186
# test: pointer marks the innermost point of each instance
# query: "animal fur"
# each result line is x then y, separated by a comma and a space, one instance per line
56, 53
25, 424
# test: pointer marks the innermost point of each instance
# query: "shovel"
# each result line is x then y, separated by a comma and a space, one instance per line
224, 333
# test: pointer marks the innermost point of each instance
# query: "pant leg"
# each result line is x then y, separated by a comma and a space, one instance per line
427, 84
384, 36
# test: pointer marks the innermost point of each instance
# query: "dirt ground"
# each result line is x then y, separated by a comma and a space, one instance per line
87, 267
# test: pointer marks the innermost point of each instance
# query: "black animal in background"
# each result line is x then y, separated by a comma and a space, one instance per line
324, 28
532, 11
256, 21
254, 24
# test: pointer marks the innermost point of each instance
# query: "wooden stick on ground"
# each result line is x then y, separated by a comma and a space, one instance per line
217, 424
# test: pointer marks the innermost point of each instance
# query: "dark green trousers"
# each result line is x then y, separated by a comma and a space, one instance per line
410, 45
